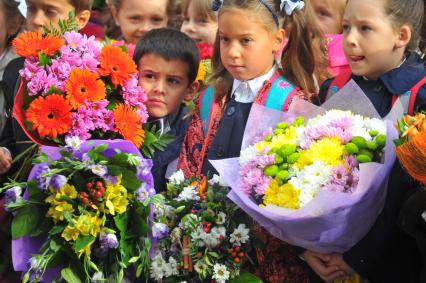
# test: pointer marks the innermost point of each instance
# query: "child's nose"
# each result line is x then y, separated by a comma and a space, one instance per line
234, 50
36, 22
159, 86
349, 38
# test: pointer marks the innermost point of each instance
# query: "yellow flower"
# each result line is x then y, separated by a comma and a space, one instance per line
70, 233
284, 196
116, 200
201, 75
69, 191
328, 151
88, 225
287, 137
58, 210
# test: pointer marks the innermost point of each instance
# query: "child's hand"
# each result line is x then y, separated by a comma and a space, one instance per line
5, 160
320, 263
337, 260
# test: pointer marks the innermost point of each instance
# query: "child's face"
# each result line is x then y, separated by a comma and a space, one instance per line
201, 29
136, 17
43, 12
328, 14
246, 48
165, 83
371, 43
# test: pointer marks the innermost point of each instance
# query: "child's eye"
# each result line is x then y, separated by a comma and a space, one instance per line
246, 41
134, 19
224, 39
157, 20
173, 81
323, 13
51, 13
346, 27
149, 76
365, 28
203, 21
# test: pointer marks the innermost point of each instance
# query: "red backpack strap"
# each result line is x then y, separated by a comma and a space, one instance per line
409, 98
339, 82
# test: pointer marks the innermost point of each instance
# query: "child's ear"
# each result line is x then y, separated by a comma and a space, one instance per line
191, 91
404, 36
82, 18
278, 40
114, 14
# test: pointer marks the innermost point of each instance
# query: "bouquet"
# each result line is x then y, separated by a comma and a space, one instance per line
199, 238
297, 160
74, 85
91, 199
205, 68
411, 146
319, 179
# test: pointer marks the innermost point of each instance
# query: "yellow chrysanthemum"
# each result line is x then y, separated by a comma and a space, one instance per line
288, 137
284, 196
201, 74
58, 209
115, 198
328, 151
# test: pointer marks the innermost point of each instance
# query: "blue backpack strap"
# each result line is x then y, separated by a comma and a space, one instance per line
280, 94
205, 106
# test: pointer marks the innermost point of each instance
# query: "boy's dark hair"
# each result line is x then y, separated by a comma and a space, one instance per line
170, 44
81, 5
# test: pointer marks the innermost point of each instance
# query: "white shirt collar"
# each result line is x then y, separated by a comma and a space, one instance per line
254, 84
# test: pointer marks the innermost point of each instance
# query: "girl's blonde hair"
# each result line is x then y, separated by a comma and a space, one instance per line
303, 58
203, 8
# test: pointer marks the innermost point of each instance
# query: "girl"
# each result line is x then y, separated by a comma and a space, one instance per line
329, 17
250, 33
136, 17
379, 41
199, 21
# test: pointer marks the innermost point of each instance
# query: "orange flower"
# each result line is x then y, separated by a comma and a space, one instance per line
50, 116
83, 85
127, 124
31, 43
117, 64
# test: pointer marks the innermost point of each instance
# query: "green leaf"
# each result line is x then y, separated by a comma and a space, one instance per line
245, 277
120, 159
83, 241
129, 180
55, 245
25, 221
133, 259
35, 193
69, 275
114, 170
43, 226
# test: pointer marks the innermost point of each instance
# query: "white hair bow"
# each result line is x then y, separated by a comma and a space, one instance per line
290, 5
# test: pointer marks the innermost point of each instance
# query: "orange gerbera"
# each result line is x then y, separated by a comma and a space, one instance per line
128, 124
117, 64
50, 116
84, 85
31, 43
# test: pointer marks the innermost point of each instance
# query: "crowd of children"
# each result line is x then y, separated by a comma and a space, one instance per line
265, 52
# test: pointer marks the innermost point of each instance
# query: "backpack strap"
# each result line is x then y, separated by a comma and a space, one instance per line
205, 105
408, 99
277, 93
338, 82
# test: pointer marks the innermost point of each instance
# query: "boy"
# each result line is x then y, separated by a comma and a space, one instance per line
39, 13
168, 64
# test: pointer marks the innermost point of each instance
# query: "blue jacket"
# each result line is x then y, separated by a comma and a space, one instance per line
178, 125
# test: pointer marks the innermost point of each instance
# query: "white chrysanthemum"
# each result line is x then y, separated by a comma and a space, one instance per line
218, 231
220, 273
247, 155
197, 234
98, 277
216, 179
171, 268
309, 180
300, 135
177, 178
210, 240
358, 128
240, 235
188, 194
375, 124
221, 218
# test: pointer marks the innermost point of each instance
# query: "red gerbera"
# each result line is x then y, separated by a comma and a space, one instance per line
84, 85
32, 43
117, 64
50, 116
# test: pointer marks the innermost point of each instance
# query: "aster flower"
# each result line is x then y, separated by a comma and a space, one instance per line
73, 142
144, 192
98, 169
13, 195
42, 181
160, 230
220, 273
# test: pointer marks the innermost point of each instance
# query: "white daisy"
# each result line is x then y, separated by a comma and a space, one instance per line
240, 235
220, 273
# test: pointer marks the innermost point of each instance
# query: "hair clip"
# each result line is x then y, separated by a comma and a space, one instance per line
216, 4
290, 5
